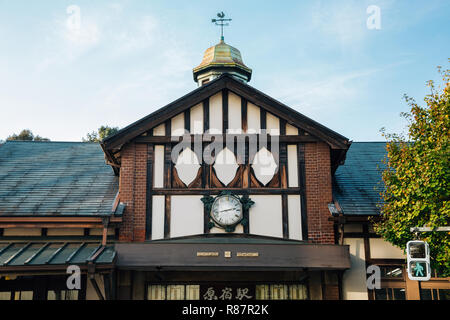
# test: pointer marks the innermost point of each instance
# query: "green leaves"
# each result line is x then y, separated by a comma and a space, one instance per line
416, 180
102, 133
26, 135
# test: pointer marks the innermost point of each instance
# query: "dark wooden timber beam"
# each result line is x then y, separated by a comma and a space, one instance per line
207, 138
96, 287
51, 269
197, 191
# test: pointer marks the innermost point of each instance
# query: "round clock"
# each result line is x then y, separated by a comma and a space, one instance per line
226, 210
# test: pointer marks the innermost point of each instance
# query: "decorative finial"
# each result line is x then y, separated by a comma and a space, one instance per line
221, 22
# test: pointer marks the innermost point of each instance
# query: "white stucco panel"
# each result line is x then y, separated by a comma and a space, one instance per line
158, 204
273, 124
380, 249
158, 169
354, 279
215, 113
292, 166
186, 216
159, 130
234, 113
291, 130
253, 118
197, 119
177, 125
294, 217
265, 217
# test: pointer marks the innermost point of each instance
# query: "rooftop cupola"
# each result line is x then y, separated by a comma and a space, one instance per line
221, 58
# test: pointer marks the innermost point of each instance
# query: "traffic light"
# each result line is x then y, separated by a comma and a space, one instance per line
418, 253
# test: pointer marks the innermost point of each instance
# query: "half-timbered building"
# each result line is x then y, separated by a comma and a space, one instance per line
225, 193
227, 187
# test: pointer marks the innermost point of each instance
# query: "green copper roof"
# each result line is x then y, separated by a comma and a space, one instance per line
55, 179
54, 253
357, 184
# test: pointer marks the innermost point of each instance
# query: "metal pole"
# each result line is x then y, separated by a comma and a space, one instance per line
429, 229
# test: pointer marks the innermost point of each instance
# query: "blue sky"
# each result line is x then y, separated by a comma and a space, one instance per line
129, 58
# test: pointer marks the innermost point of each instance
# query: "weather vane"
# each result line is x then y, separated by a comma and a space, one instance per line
221, 22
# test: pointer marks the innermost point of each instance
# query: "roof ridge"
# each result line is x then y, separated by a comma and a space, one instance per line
225, 81
370, 141
30, 141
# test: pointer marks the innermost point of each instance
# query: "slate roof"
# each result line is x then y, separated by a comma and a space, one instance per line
357, 184
55, 179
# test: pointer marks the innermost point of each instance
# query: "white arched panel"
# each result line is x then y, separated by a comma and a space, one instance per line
187, 166
264, 166
225, 166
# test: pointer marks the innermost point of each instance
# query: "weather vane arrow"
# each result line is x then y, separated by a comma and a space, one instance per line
221, 22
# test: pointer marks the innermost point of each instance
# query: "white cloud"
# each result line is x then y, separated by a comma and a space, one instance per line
338, 22
86, 36
320, 91
127, 37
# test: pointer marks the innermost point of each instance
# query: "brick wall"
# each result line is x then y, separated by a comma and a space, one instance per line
318, 192
133, 173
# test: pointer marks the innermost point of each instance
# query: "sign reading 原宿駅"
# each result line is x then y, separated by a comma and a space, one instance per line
227, 292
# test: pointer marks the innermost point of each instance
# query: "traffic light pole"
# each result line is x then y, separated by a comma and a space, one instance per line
416, 230
429, 229
418, 260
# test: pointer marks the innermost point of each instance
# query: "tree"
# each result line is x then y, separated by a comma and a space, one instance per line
417, 177
26, 135
102, 133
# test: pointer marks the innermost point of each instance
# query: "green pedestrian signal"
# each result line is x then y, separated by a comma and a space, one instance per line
419, 269
418, 254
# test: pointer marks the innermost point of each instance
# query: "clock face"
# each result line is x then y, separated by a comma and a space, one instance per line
227, 210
